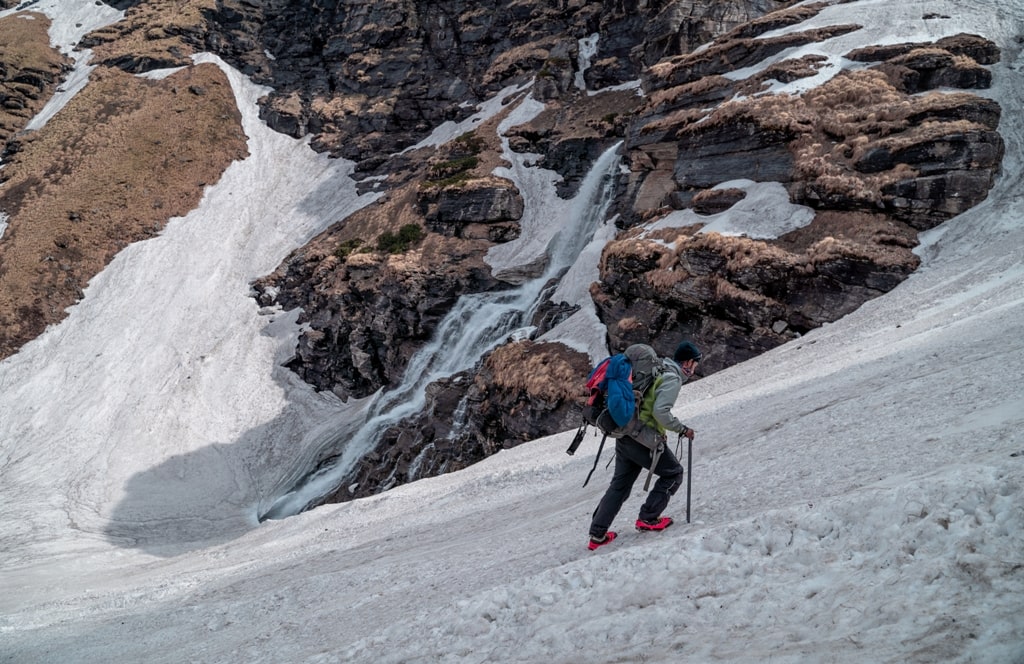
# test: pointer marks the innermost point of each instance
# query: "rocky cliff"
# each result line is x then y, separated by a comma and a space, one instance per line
868, 151
873, 155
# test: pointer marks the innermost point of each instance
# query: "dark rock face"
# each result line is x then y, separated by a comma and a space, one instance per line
876, 159
374, 79
713, 201
931, 137
570, 134
368, 79
482, 209
372, 311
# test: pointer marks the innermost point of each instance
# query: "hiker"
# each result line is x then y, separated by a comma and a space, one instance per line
631, 456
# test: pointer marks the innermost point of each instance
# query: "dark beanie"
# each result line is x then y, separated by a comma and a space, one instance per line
686, 351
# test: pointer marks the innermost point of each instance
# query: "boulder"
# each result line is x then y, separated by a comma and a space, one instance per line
475, 208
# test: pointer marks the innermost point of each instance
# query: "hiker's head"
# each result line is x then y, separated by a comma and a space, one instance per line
687, 356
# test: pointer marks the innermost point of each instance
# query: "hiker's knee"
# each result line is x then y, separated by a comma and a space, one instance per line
669, 467
673, 480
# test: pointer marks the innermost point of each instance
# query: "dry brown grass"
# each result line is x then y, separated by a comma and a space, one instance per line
880, 254
728, 54
157, 30
859, 236
860, 111
26, 54
25, 44
715, 199
727, 292
525, 58
930, 52
673, 95
740, 252
928, 131
945, 104
827, 165
677, 121
633, 249
664, 279
669, 235
770, 113
401, 206
859, 103
827, 130
785, 71
539, 370
122, 158
346, 252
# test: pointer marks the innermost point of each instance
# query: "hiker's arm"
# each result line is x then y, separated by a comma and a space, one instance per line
665, 399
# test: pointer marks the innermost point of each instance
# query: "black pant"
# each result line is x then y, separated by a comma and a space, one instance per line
630, 459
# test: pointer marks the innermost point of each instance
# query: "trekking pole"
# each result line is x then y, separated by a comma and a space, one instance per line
596, 459
689, 476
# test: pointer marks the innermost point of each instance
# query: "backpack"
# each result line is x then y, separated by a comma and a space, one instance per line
616, 388
611, 402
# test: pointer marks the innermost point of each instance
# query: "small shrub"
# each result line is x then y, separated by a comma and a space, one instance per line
397, 243
347, 248
470, 143
452, 168
453, 181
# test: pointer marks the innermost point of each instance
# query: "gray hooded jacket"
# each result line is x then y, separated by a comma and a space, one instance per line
656, 410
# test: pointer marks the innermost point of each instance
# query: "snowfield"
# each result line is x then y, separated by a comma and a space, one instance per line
858, 494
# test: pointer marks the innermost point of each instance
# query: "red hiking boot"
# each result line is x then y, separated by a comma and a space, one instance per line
655, 524
596, 542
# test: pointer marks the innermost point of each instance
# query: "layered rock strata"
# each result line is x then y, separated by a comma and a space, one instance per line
877, 155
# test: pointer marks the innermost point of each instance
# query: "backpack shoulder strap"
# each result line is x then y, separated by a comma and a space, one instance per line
646, 366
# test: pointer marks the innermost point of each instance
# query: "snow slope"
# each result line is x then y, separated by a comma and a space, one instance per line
857, 494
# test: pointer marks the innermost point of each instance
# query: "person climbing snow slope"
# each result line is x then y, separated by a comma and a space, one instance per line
632, 456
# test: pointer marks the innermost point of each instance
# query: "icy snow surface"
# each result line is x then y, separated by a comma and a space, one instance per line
765, 212
857, 493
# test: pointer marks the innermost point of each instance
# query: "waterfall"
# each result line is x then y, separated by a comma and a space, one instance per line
478, 323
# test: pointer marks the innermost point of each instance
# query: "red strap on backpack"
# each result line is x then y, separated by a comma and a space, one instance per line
596, 379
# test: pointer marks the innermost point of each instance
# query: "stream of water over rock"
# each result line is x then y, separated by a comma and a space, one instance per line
477, 324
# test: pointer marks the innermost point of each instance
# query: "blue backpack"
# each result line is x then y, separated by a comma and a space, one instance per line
611, 387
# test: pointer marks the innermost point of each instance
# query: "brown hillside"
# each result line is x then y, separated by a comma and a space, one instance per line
122, 158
